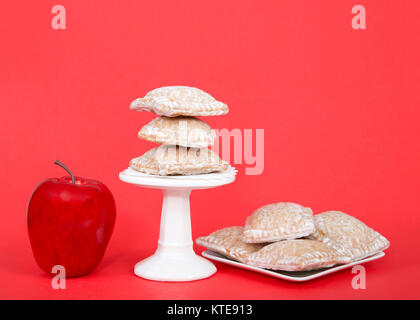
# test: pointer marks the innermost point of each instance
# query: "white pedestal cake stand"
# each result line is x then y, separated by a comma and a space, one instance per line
174, 259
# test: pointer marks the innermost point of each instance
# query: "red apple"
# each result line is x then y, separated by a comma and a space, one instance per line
70, 221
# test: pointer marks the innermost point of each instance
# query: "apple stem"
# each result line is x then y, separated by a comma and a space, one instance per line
67, 169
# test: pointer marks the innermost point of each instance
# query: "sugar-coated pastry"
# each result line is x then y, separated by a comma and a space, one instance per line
228, 242
175, 160
348, 235
182, 131
175, 101
278, 221
297, 255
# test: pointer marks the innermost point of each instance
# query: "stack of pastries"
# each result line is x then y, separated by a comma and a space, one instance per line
287, 236
183, 138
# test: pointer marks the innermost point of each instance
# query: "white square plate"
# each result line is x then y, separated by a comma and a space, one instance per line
297, 276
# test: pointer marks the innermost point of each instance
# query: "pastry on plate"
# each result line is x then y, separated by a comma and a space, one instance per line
348, 235
182, 131
228, 242
278, 221
175, 160
175, 101
297, 255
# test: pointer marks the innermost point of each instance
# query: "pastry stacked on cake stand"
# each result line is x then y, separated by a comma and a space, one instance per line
179, 165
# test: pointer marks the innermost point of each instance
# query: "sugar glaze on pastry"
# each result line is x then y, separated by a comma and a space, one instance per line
278, 221
175, 160
228, 241
182, 131
348, 235
297, 255
175, 101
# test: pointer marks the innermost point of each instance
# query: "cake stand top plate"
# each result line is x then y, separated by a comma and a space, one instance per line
199, 181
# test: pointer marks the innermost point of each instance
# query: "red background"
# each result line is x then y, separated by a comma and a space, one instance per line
340, 109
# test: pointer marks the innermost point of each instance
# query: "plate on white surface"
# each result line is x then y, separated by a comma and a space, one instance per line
297, 276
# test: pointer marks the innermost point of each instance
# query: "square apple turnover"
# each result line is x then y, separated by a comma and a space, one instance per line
182, 131
348, 235
278, 221
228, 241
175, 160
297, 255
175, 101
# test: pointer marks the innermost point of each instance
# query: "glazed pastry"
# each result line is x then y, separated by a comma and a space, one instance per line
182, 131
175, 160
297, 255
179, 101
348, 235
228, 242
278, 221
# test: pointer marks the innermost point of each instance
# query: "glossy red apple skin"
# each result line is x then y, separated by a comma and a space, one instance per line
70, 224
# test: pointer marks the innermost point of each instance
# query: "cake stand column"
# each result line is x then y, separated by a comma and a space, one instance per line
175, 223
174, 259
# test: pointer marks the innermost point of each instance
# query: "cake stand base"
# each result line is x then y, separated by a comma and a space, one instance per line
183, 267
174, 259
